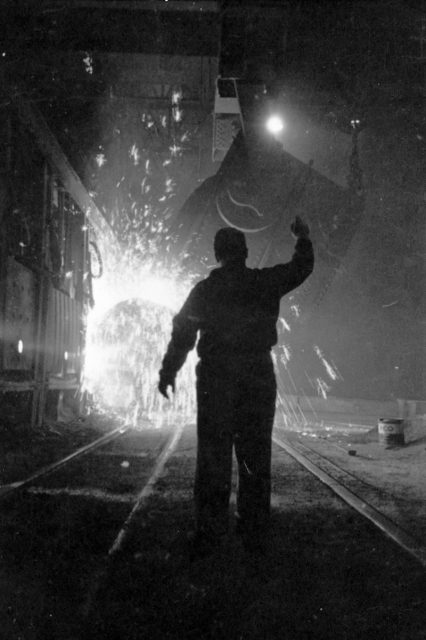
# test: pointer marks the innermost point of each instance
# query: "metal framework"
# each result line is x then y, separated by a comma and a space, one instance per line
47, 219
227, 117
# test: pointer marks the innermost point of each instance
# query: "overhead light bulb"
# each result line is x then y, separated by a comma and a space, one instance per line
275, 124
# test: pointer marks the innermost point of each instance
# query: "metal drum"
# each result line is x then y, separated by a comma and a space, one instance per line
391, 432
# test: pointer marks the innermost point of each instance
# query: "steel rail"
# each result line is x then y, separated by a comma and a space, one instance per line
340, 470
102, 573
14, 487
146, 490
382, 522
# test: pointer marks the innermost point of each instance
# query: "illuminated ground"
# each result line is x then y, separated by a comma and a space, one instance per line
327, 573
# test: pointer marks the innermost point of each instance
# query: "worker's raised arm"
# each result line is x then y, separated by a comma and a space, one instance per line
287, 277
184, 336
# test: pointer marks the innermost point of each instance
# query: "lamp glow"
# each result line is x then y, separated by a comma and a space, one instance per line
275, 124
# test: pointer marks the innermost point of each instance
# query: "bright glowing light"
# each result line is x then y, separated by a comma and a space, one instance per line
88, 63
296, 310
332, 372
100, 159
160, 291
128, 333
134, 153
175, 150
286, 355
322, 388
176, 96
275, 124
177, 114
169, 185
20, 346
285, 324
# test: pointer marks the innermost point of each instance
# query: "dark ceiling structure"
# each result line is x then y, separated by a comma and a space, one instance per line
336, 64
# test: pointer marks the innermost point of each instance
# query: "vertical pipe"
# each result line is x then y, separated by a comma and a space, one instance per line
86, 277
61, 232
39, 393
4, 254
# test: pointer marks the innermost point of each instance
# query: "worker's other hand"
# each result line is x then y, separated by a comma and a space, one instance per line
163, 386
299, 228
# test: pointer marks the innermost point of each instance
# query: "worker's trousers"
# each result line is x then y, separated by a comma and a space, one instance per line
236, 406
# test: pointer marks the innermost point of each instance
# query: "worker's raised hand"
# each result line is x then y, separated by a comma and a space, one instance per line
299, 228
163, 387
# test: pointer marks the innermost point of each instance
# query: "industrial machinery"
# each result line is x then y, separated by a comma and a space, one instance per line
48, 226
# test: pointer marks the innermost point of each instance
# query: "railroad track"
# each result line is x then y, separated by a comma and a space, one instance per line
349, 487
74, 486
339, 480
86, 502
15, 487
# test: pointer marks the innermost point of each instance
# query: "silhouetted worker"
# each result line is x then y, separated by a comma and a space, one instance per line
235, 310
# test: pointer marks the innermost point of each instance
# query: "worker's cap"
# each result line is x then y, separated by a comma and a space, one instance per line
230, 243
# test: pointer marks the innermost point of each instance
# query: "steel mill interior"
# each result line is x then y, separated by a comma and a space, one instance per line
131, 133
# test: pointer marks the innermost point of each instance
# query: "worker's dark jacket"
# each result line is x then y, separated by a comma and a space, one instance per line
235, 309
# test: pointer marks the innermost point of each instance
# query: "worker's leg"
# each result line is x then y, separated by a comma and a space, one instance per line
214, 454
253, 450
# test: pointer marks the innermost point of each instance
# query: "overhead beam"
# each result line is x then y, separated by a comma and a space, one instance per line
199, 6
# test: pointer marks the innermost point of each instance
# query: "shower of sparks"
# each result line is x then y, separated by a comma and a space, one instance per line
176, 96
175, 150
100, 159
88, 63
169, 185
332, 372
295, 310
129, 327
128, 333
285, 324
177, 114
134, 153
285, 357
322, 387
